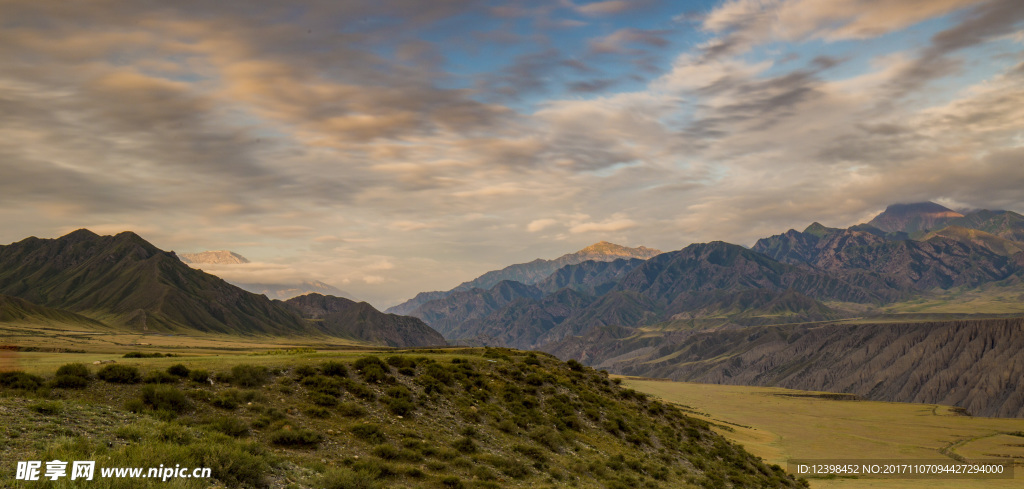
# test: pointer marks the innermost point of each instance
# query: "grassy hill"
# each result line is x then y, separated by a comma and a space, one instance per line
438, 418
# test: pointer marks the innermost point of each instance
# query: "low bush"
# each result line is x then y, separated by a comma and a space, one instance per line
164, 398
249, 375
230, 426
20, 380
201, 376
48, 408
69, 382
119, 374
295, 438
351, 410
179, 370
75, 370
345, 478
334, 369
139, 354
159, 377
369, 432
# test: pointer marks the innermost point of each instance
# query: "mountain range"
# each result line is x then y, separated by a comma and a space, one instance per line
809, 309
124, 282
532, 272
629, 314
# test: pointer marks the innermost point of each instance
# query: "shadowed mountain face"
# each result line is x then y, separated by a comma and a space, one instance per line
13, 309
343, 318
533, 272
972, 364
129, 282
125, 282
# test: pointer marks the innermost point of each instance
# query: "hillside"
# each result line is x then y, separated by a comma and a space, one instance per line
125, 281
13, 309
974, 364
451, 418
340, 317
533, 272
128, 284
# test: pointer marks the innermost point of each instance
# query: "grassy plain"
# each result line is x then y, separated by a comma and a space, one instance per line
781, 424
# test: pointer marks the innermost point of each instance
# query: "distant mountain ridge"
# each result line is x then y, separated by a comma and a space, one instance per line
124, 282
533, 272
272, 290
216, 257
288, 291
358, 320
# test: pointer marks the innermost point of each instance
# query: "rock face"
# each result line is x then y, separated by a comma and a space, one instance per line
973, 364
217, 257
532, 272
341, 317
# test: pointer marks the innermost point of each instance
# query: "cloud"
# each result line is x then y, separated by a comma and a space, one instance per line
616, 222
540, 224
605, 8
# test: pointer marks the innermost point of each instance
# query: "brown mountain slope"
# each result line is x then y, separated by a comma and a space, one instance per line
341, 317
973, 364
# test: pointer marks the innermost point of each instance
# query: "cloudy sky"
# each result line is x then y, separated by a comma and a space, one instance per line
389, 147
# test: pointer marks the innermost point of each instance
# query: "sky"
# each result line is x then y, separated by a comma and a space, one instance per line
392, 147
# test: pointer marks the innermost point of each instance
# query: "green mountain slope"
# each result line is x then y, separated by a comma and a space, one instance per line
13, 309
128, 282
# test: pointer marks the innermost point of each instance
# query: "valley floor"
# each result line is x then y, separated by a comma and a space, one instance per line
781, 424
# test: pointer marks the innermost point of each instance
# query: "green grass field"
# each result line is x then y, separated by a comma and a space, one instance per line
780, 424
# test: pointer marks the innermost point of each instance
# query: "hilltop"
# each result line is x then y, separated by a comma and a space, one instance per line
453, 418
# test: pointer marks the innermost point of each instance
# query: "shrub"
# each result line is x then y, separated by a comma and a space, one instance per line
249, 375
351, 410
164, 398
356, 389
465, 445
75, 370
119, 374
369, 432
318, 412
399, 361
452, 482
159, 377
48, 408
345, 478
321, 399
334, 369
20, 380
230, 426
385, 451
139, 354
374, 370
295, 438
69, 382
304, 371
178, 370
574, 365
199, 376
